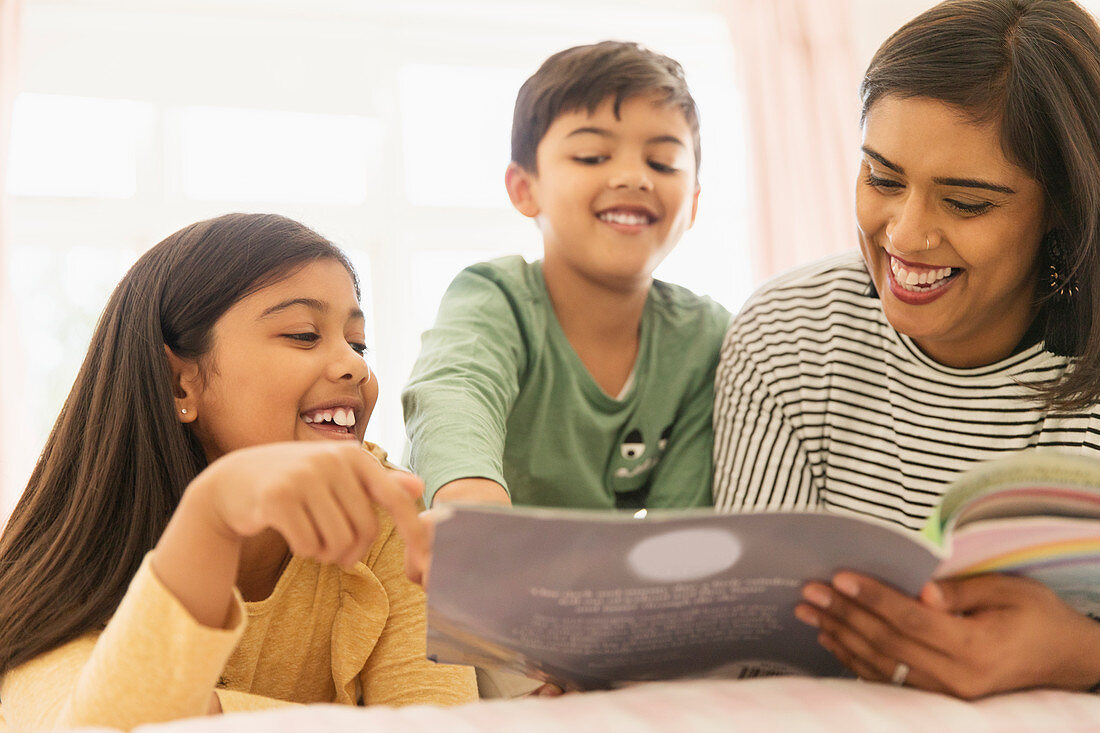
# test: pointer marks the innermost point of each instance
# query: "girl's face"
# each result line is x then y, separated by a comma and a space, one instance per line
949, 229
286, 364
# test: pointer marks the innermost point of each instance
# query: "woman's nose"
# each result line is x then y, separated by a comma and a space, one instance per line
907, 230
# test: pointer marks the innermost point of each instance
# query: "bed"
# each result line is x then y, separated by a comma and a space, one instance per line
771, 704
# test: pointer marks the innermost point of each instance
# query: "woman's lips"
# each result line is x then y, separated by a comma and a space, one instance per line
918, 285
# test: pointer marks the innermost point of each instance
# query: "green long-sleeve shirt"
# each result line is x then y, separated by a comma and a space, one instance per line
499, 393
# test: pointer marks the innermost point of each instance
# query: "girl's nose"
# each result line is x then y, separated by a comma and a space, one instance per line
350, 366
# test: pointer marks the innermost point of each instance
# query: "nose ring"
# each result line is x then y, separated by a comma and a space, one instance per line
928, 243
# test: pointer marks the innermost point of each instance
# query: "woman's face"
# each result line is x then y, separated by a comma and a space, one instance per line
949, 229
286, 364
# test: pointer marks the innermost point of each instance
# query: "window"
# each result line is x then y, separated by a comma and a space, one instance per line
385, 126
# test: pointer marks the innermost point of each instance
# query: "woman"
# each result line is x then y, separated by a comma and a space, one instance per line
967, 330
204, 531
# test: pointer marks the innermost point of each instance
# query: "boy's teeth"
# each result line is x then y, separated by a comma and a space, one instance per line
622, 217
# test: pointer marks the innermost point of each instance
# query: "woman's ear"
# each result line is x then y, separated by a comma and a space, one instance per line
185, 385
521, 189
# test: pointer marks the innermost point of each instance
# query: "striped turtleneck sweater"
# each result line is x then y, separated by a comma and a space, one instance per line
821, 404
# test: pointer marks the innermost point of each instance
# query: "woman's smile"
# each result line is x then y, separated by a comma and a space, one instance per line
919, 284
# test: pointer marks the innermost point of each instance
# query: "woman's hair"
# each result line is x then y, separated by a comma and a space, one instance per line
1033, 68
118, 460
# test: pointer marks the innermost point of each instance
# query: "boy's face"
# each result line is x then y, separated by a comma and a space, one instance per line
611, 196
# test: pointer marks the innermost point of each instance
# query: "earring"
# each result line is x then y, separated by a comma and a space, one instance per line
184, 410
1061, 334
1061, 286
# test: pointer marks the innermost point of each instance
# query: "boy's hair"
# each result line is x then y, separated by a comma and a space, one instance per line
583, 77
118, 460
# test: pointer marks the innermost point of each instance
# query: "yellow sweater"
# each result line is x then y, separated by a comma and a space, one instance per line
324, 635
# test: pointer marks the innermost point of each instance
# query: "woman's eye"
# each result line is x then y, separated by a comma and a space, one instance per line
590, 159
969, 209
305, 338
883, 184
661, 167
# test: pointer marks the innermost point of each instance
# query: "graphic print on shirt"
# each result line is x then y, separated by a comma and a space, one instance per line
633, 465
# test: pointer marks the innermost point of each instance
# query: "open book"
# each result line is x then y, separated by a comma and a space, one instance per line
593, 600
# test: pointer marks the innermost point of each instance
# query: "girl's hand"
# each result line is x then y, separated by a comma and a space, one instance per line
318, 496
968, 637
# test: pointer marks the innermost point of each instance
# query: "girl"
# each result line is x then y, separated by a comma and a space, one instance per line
968, 329
203, 531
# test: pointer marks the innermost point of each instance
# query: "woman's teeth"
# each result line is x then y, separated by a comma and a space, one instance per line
920, 281
339, 416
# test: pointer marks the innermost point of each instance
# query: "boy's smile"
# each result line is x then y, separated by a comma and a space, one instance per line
612, 194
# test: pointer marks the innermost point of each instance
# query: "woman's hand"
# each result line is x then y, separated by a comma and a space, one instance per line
318, 496
968, 637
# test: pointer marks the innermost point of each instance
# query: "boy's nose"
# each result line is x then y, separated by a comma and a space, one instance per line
631, 177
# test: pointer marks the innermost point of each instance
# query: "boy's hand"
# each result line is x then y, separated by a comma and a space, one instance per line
472, 491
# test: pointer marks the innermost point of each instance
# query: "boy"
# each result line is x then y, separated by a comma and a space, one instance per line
579, 381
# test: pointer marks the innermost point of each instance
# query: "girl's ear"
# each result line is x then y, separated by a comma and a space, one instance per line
185, 385
521, 189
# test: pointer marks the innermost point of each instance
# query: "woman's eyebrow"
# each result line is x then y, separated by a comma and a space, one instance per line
973, 183
882, 159
962, 182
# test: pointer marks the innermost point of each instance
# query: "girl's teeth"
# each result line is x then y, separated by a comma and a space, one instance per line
339, 416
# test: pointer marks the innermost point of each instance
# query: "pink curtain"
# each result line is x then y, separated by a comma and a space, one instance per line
798, 66
13, 451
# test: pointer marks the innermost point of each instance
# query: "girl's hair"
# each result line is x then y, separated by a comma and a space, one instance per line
1033, 67
118, 460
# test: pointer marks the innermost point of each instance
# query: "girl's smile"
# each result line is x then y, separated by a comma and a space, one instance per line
287, 364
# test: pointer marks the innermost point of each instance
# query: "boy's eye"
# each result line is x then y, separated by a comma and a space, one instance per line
307, 337
662, 167
590, 159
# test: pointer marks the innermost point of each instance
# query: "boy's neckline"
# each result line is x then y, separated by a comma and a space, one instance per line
609, 359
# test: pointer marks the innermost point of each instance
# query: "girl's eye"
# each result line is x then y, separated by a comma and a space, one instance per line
305, 338
590, 159
358, 348
883, 184
969, 209
661, 167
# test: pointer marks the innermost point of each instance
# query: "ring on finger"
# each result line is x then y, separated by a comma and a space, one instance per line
901, 672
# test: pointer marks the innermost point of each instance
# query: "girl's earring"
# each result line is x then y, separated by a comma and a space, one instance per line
184, 410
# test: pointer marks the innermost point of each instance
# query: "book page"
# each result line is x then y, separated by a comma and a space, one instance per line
594, 600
